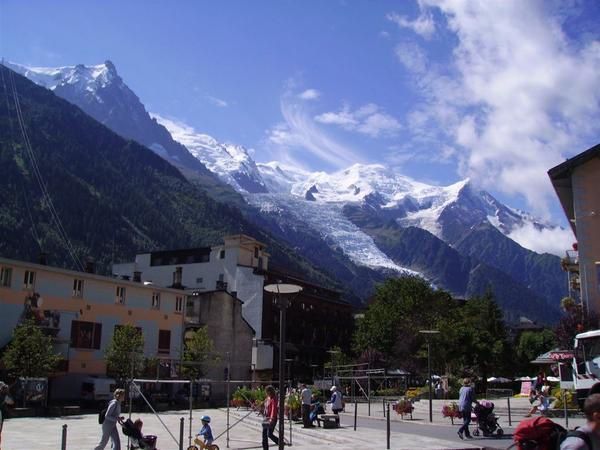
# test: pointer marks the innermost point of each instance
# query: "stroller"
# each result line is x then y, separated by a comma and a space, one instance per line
487, 421
133, 431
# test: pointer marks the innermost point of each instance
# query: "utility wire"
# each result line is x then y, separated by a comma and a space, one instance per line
39, 178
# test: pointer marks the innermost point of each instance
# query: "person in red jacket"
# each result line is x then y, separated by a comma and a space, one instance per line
271, 409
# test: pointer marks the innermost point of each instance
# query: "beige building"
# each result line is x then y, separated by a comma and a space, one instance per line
81, 310
577, 184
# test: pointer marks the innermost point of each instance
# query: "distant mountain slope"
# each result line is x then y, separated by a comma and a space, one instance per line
464, 276
114, 197
100, 92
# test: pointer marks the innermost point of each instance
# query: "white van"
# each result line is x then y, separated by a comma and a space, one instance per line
97, 389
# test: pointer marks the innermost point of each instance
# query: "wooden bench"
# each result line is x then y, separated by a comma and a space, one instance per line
71, 410
330, 420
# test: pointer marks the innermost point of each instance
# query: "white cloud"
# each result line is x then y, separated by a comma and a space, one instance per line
412, 56
217, 101
423, 25
518, 96
553, 241
298, 133
309, 94
368, 119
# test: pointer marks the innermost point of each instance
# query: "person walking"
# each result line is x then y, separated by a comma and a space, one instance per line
5, 400
109, 426
466, 397
306, 395
271, 409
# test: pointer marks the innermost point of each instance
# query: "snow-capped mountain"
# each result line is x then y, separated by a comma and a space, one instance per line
359, 224
232, 163
101, 92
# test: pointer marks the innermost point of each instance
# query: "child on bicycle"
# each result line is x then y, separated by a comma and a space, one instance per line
206, 434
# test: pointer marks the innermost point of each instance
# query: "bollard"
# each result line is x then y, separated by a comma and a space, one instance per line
564, 392
181, 425
355, 413
509, 415
63, 442
388, 426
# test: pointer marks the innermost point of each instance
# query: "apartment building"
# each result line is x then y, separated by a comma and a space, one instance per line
236, 267
576, 182
81, 310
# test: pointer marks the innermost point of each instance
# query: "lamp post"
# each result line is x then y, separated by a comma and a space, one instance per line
281, 291
428, 334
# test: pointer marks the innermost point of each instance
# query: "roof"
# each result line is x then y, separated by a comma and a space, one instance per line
561, 180
553, 356
88, 275
588, 334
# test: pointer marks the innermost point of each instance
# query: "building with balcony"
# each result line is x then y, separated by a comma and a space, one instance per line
81, 310
235, 266
317, 320
576, 182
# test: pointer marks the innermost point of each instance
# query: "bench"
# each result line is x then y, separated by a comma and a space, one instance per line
71, 410
330, 420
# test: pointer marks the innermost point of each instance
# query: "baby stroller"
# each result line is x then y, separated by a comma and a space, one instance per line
138, 440
487, 421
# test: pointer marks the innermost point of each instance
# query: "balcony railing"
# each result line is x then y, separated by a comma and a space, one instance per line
570, 262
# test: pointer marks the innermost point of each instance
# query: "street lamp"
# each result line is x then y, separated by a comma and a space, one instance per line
428, 334
281, 291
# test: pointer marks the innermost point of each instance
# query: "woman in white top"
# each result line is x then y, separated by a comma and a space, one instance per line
109, 426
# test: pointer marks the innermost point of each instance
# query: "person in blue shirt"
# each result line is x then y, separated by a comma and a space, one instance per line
206, 433
466, 397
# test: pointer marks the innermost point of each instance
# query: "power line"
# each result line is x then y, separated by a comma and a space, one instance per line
62, 234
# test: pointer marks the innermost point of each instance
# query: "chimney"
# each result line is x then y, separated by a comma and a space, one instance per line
43, 259
177, 277
90, 265
137, 276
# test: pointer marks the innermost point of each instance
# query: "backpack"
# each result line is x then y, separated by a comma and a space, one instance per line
540, 433
102, 415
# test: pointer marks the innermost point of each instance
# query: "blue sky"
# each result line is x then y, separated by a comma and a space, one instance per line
441, 89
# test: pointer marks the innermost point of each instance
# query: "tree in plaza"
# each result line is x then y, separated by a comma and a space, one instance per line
30, 353
530, 344
400, 308
574, 321
482, 337
125, 353
198, 351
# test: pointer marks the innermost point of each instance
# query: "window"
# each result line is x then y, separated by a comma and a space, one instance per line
156, 300
86, 334
164, 341
178, 304
222, 254
256, 252
120, 298
221, 277
199, 280
5, 276
29, 279
77, 288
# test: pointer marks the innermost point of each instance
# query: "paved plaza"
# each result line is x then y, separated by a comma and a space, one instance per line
83, 432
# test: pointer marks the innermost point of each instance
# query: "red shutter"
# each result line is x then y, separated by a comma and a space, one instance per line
97, 335
164, 341
74, 333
